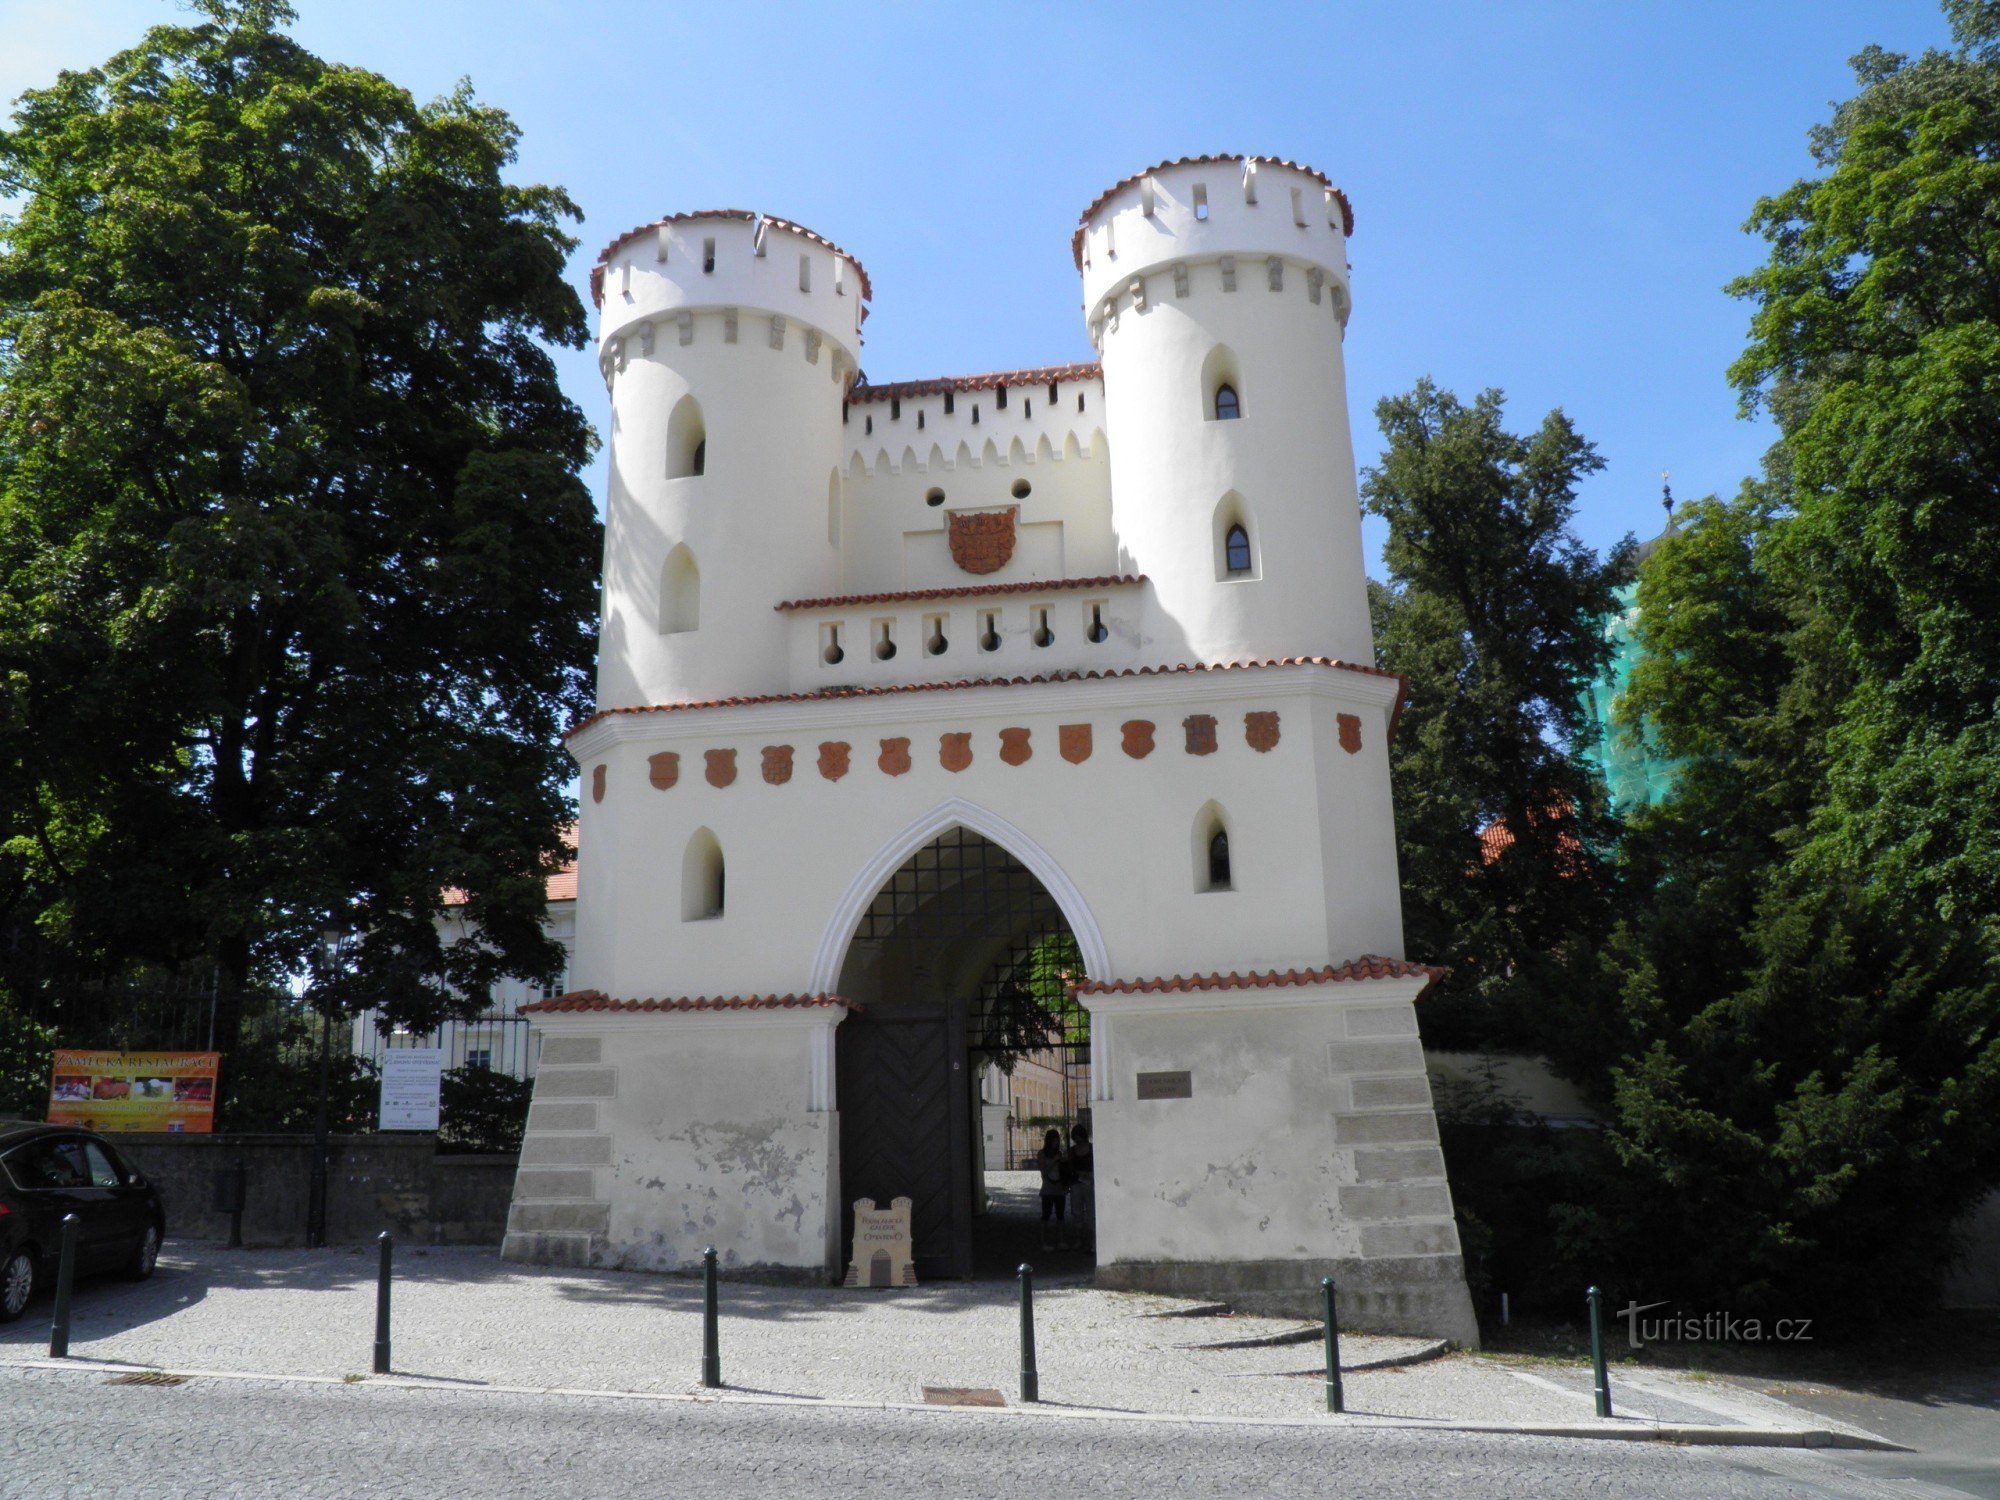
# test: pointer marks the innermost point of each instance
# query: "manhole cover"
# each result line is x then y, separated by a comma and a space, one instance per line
955, 1395
149, 1377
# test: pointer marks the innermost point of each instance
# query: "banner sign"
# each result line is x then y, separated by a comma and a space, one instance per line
410, 1081
160, 1091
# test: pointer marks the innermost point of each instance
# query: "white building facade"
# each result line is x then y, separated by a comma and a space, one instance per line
900, 683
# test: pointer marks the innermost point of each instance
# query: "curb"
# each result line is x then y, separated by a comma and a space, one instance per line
1615, 1430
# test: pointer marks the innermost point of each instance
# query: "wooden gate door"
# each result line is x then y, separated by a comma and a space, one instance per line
901, 1080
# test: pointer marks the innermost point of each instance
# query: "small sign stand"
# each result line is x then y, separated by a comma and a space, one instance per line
881, 1245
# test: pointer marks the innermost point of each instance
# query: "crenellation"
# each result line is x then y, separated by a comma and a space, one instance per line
850, 627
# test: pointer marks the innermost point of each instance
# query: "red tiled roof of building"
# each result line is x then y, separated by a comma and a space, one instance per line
1369, 967
1035, 586
909, 389
1496, 838
888, 689
1083, 223
597, 271
560, 886
597, 1000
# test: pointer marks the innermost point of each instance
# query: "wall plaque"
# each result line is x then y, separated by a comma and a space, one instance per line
1166, 1086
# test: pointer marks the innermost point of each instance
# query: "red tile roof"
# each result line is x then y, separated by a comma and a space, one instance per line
1083, 223
1370, 967
597, 1000
829, 694
1037, 586
560, 886
597, 271
1046, 375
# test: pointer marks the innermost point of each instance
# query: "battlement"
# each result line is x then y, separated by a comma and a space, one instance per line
1252, 211
723, 260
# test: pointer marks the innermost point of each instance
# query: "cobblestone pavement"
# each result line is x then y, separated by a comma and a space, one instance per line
73, 1433
463, 1315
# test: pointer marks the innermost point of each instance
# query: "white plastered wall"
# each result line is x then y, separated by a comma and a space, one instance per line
1114, 826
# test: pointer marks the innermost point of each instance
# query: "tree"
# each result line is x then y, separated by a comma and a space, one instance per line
298, 569
1493, 612
1811, 1092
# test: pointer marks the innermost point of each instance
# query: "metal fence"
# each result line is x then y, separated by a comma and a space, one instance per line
497, 1041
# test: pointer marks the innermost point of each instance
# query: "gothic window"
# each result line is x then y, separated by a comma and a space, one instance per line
1218, 860
1227, 409
1236, 549
701, 878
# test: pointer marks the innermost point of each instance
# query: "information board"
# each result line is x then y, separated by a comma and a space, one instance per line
410, 1078
172, 1092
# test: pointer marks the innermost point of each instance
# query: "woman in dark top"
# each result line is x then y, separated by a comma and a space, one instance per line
1055, 1186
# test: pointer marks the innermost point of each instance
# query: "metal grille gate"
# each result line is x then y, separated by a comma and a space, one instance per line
905, 1063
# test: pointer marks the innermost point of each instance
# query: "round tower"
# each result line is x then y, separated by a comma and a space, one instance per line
728, 341
1216, 290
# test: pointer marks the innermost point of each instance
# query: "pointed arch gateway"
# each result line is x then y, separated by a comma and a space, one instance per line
952, 941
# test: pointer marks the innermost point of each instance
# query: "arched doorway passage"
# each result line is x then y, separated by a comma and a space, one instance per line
967, 1047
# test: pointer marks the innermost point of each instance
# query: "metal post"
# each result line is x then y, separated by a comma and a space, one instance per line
65, 1284
1031, 1384
1336, 1398
1602, 1386
242, 1194
382, 1303
316, 1197
1506, 1313
711, 1333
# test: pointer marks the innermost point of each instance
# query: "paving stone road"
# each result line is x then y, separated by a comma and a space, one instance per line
462, 1314
72, 1432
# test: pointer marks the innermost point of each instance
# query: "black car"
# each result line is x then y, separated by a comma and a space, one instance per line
47, 1171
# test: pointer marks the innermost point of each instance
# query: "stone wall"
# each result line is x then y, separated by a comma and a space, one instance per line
374, 1182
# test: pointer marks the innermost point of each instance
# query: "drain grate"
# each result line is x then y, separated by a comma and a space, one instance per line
149, 1377
956, 1395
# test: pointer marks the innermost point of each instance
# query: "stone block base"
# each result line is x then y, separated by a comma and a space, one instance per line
1422, 1294
547, 1247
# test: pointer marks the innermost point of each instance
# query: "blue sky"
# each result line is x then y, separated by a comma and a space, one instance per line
1548, 197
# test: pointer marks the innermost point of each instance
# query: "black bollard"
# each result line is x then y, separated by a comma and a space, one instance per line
1602, 1379
1336, 1398
382, 1303
240, 1193
65, 1284
711, 1333
1031, 1384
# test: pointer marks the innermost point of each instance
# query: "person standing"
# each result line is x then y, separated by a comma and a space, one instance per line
1054, 1167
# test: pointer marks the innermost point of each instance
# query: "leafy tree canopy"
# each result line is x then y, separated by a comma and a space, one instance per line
1493, 610
296, 569
1810, 984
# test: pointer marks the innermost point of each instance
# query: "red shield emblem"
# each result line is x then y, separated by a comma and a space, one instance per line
982, 541
833, 759
1073, 740
597, 783
895, 756
1200, 733
1261, 730
1138, 738
721, 766
664, 769
955, 751
1014, 746
777, 764
1350, 732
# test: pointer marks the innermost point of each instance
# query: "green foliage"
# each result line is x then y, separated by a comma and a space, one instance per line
27, 1053
296, 569
1033, 1008
481, 1110
272, 1079
1808, 1029
1492, 613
